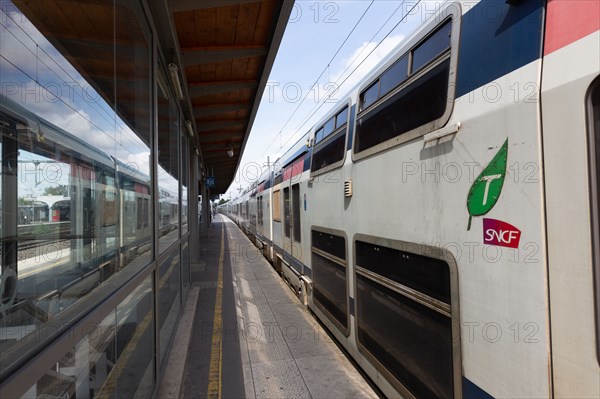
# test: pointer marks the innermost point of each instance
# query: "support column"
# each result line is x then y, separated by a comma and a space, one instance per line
194, 225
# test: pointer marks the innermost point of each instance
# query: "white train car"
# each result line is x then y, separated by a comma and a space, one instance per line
443, 222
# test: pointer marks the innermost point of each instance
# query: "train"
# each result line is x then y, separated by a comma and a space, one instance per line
443, 220
65, 250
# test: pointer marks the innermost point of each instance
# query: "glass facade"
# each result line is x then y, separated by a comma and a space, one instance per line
83, 212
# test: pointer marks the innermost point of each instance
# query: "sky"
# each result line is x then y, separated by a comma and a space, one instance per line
315, 32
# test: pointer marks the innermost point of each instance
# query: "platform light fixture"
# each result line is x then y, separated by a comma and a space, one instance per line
189, 128
162, 84
230, 151
173, 69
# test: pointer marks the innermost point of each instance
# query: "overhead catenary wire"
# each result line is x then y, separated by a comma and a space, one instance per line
299, 128
327, 66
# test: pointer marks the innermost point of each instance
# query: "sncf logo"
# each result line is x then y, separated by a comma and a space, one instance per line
497, 232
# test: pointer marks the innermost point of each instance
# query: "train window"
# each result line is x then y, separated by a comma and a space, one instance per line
328, 127
296, 212
319, 135
330, 290
276, 206
394, 76
405, 316
286, 212
369, 96
341, 118
329, 154
432, 47
422, 104
594, 139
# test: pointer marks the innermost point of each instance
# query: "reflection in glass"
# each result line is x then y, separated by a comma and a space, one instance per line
169, 291
76, 198
168, 171
115, 359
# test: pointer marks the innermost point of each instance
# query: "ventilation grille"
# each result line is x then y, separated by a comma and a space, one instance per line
348, 188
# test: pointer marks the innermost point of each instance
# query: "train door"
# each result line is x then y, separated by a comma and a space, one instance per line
287, 219
296, 241
571, 128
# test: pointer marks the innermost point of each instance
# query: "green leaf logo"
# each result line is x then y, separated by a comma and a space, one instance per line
485, 191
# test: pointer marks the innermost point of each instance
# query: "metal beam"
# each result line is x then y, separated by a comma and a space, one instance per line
199, 91
219, 55
205, 127
190, 5
209, 111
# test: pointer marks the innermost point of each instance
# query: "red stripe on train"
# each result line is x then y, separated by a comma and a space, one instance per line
568, 21
293, 170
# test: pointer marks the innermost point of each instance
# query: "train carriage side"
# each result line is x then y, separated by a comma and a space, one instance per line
570, 101
428, 248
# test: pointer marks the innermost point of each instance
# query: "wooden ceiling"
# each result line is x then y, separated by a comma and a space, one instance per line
224, 50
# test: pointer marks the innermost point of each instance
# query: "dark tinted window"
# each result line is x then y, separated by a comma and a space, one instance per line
329, 288
331, 152
329, 127
427, 275
286, 211
435, 45
330, 243
296, 211
369, 96
341, 118
412, 341
394, 76
319, 135
421, 102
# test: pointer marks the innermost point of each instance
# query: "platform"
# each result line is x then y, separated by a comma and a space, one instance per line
251, 336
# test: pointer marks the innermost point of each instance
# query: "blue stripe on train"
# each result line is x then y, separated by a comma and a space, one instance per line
497, 38
472, 391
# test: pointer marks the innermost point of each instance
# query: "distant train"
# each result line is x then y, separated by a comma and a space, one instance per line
443, 221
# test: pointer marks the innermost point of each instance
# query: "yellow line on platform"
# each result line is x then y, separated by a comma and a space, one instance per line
216, 361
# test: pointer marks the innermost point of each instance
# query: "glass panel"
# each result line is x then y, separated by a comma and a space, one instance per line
185, 261
296, 209
76, 163
332, 152
369, 96
329, 287
341, 118
433, 46
423, 101
427, 275
330, 243
169, 290
319, 135
184, 182
394, 76
276, 206
116, 359
412, 342
286, 212
329, 127
168, 171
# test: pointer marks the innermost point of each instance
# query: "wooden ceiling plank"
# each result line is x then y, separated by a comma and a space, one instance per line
177, 6
247, 19
226, 21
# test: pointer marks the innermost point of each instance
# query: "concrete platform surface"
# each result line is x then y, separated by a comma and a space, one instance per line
252, 337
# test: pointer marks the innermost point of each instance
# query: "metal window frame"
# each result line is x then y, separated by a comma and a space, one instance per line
451, 11
328, 139
594, 186
423, 250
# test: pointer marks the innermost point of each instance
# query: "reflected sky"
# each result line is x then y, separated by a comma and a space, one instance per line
33, 73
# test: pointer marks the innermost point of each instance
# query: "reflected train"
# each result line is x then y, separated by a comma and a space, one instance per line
443, 221
105, 225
